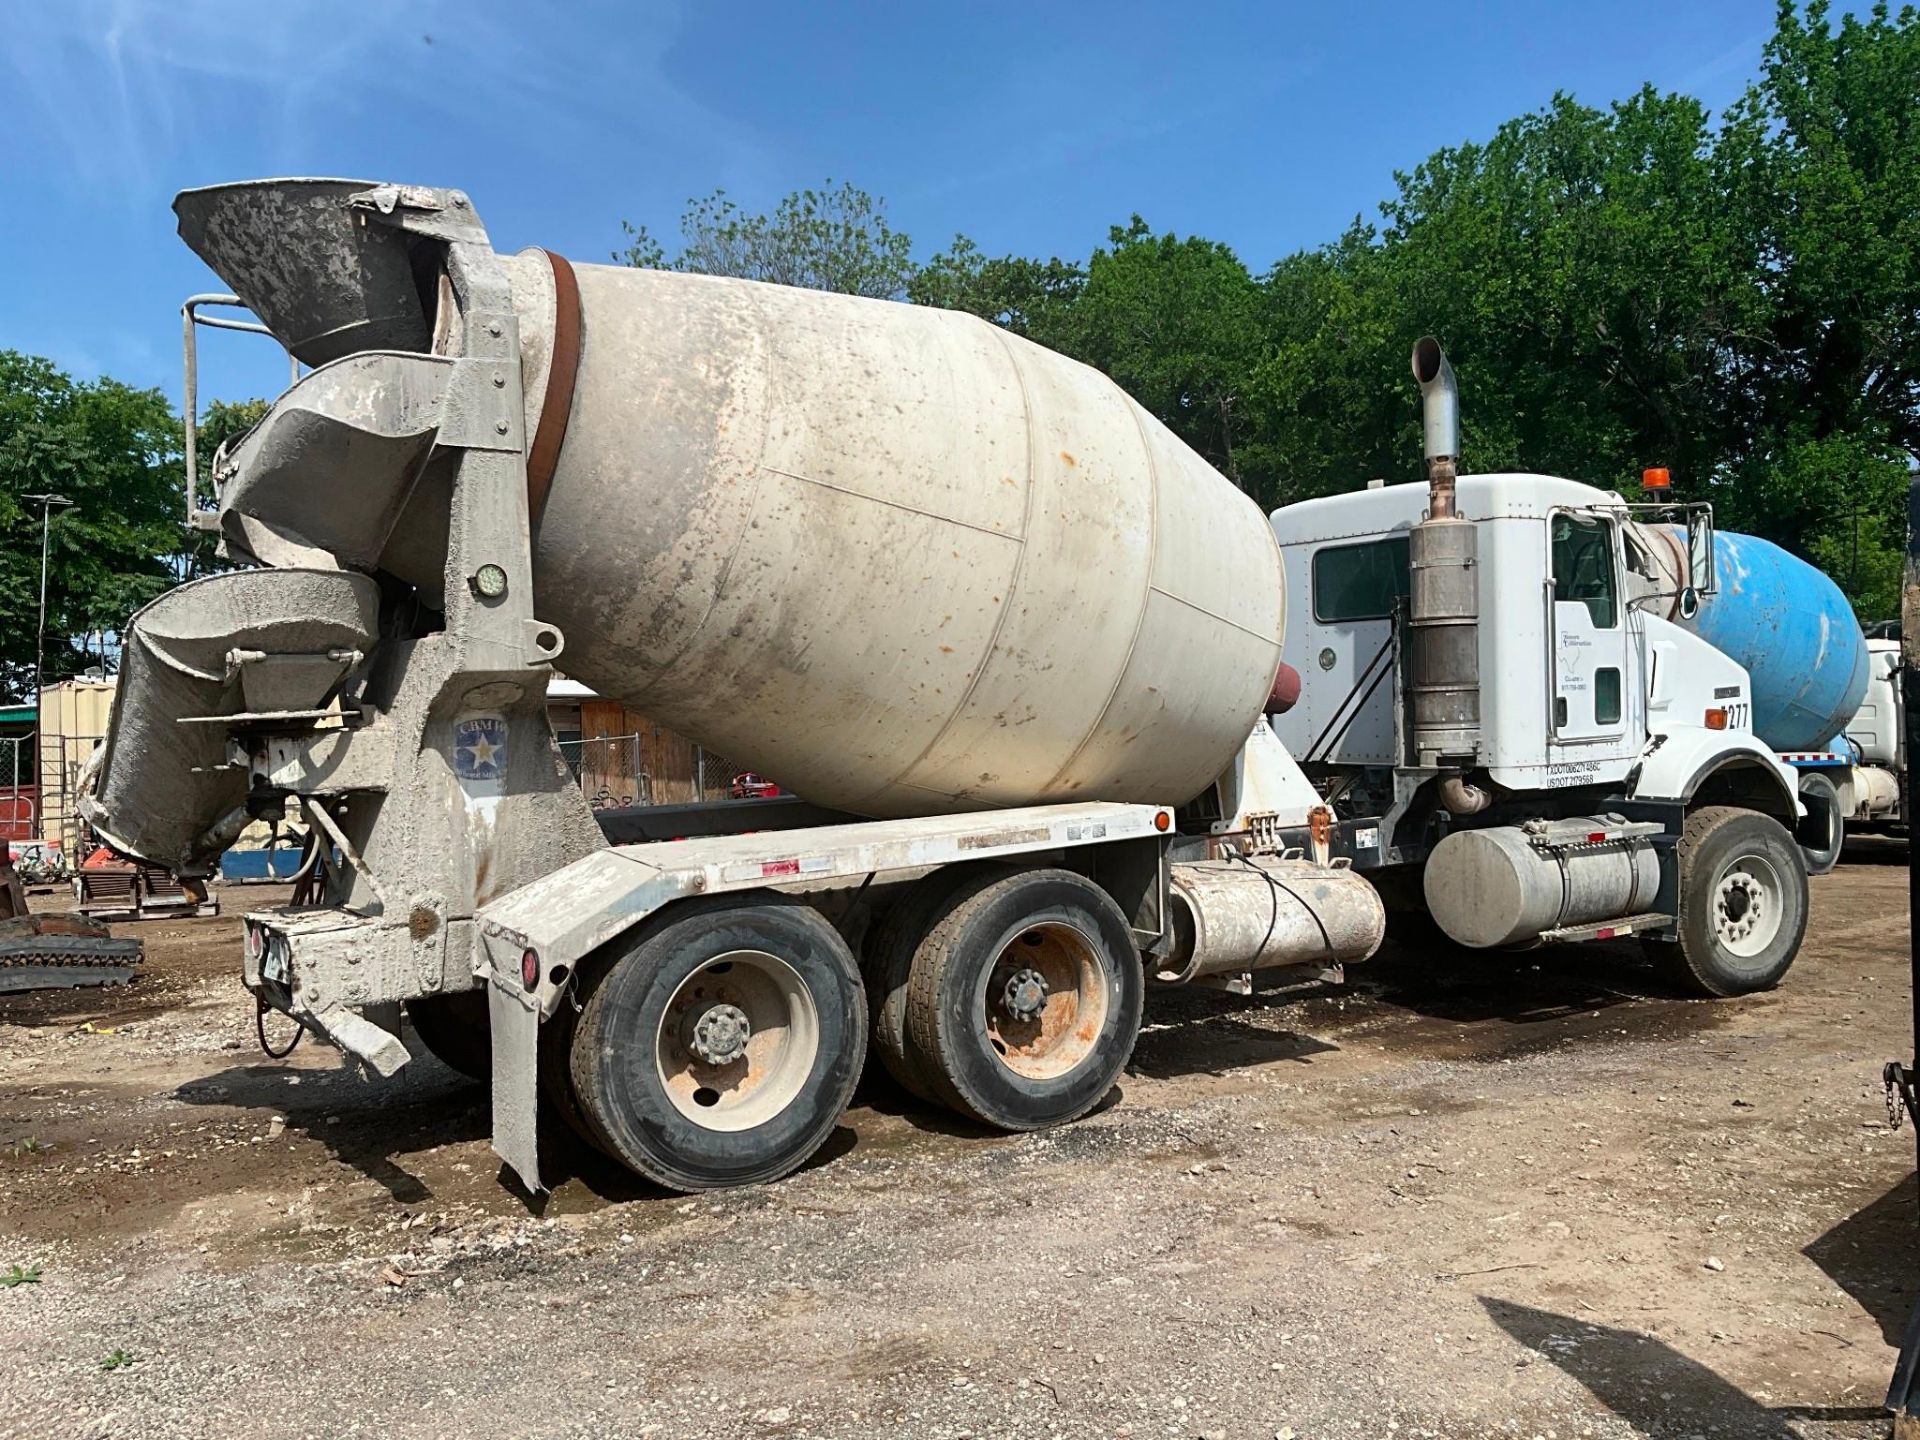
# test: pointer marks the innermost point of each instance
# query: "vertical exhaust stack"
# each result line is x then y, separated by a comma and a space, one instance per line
1443, 640
1439, 424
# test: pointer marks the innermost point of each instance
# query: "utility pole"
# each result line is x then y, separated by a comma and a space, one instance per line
1903, 1395
48, 504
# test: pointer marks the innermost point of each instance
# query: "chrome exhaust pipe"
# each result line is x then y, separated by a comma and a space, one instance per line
1439, 423
1443, 608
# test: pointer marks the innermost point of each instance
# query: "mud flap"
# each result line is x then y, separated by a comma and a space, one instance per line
516, 1094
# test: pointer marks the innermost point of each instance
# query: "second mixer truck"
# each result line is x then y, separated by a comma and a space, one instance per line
1012, 642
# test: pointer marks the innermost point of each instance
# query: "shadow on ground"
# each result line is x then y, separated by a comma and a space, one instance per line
364, 1124
1209, 1032
1652, 1386
1500, 1005
1870, 1256
1876, 850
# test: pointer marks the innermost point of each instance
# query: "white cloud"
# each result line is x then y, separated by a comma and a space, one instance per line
128, 94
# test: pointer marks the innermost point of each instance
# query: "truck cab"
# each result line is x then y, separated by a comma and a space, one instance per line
1585, 675
1592, 729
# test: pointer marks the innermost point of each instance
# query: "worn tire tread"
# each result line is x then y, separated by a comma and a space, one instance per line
592, 1018
937, 954
888, 970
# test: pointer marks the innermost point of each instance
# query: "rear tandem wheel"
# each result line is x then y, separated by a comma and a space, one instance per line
889, 970
456, 1030
1823, 833
1025, 999
722, 1046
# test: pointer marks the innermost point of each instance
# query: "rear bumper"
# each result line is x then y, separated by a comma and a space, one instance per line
344, 975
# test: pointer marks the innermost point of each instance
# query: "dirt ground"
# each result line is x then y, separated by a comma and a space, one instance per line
1518, 1196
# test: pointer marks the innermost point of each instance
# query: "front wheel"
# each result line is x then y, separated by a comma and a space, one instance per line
1743, 904
721, 1048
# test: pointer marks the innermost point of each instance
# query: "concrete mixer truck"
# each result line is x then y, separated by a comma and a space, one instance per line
1011, 643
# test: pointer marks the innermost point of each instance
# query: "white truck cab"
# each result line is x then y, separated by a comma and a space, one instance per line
1577, 675
1856, 782
1516, 732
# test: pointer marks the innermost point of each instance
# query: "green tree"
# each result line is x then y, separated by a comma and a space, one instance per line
1573, 265
1028, 297
114, 452
1328, 398
1177, 323
1822, 157
829, 239
1636, 286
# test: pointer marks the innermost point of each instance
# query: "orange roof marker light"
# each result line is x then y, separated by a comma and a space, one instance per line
1656, 478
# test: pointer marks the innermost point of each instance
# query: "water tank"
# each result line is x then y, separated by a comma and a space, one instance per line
1795, 633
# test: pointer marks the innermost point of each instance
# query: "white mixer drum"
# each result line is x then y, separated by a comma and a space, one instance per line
894, 557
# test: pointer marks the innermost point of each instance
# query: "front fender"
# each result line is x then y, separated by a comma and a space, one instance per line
1681, 762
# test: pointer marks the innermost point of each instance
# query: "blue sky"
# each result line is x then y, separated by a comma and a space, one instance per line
1031, 127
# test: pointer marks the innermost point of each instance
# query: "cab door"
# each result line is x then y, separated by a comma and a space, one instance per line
1588, 633
1350, 700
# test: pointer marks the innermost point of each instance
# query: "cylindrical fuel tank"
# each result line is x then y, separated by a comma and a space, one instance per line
893, 557
1231, 916
1788, 624
1505, 885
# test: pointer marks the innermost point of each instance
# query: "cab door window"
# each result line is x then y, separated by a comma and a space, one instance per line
1583, 568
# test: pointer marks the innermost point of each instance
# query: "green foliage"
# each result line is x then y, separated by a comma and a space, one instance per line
113, 451
1028, 297
828, 239
20, 1275
116, 1360
224, 421
1737, 300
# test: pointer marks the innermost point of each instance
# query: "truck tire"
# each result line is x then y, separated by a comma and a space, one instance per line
1824, 831
1025, 999
456, 1030
721, 1047
889, 971
1743, 904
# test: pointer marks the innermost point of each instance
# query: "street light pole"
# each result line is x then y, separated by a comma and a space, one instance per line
48, 504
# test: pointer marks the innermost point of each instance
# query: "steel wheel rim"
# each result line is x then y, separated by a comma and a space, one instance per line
1072, 1011
1749, 905
703, 1080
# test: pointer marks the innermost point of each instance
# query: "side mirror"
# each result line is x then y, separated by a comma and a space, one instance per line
1689, 602
1698, 555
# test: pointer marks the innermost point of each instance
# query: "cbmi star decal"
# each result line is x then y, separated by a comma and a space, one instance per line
480, 747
